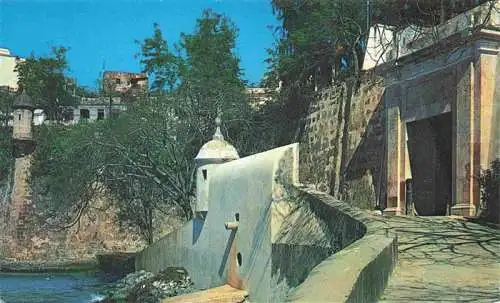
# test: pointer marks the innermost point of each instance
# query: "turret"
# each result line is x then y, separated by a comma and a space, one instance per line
211, 154
22, 136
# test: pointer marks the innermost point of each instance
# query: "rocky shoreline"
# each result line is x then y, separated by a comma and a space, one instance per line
14, 266
146, 287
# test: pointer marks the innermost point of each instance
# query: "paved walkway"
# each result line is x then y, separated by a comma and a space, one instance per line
222, 294
444, 260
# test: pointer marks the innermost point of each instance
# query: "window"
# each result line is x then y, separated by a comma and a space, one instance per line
117, 81
19, 117
84, 113
68, 115
204, 171
134, 83
100, 114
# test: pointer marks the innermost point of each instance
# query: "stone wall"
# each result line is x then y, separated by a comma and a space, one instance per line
24, 238
97, 232
361, 262
343, 145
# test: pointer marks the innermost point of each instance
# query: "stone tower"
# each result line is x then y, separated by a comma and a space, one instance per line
211, 154
22, 146
23, 143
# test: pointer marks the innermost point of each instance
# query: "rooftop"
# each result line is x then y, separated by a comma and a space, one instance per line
23, 101
217, 148
112, 74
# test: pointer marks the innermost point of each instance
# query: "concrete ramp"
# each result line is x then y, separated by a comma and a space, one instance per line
222, 294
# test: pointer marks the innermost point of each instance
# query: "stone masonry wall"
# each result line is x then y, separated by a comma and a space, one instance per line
23, 238
343, 142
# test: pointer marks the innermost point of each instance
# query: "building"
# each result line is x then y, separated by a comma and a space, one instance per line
124, 82
258, 96
441, 102
8, 76
119, 89
93, 109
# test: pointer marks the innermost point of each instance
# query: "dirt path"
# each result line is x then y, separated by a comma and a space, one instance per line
444, 260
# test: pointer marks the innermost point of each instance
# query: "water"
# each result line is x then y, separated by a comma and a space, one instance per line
51, 287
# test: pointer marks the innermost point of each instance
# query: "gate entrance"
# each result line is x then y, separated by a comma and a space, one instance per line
430, 153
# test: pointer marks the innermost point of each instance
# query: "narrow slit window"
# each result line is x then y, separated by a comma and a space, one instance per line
204, 171
19, 116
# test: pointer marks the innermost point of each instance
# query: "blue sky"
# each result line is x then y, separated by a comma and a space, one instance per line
103, 31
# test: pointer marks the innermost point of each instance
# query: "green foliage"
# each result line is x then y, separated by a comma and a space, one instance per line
313, 37
144, 158
317, 43
64, 174
204, 78
159, 62
44, 80
5, 153
139, 158
6, 99
490, 192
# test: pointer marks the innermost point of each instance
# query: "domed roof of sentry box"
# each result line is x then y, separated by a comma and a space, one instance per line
217, 148
23, 101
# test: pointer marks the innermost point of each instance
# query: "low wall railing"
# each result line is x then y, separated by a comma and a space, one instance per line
360, 269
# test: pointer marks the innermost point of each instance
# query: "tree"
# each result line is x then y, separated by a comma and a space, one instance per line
44, 80
204, 78
6, 99
159, 62
490, 192
317, 39
65, 174
317, 43
135, 158
212, 79
144, 158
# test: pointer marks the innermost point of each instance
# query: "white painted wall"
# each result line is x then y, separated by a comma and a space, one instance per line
8, 77
251, 187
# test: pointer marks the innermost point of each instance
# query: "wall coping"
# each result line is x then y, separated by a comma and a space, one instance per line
357, 273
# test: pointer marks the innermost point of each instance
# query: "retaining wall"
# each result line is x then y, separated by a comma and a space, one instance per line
292, 243
364, 259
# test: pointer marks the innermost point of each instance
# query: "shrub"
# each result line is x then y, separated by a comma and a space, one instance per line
490, 192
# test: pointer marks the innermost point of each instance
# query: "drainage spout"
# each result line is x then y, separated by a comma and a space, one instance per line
231, 225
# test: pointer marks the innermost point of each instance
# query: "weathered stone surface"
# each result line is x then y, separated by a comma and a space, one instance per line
341, 151
48, 266
97, 232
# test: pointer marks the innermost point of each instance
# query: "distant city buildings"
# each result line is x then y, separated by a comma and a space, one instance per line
258, 96
8, 75
118, 89
93, 109
124, 82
